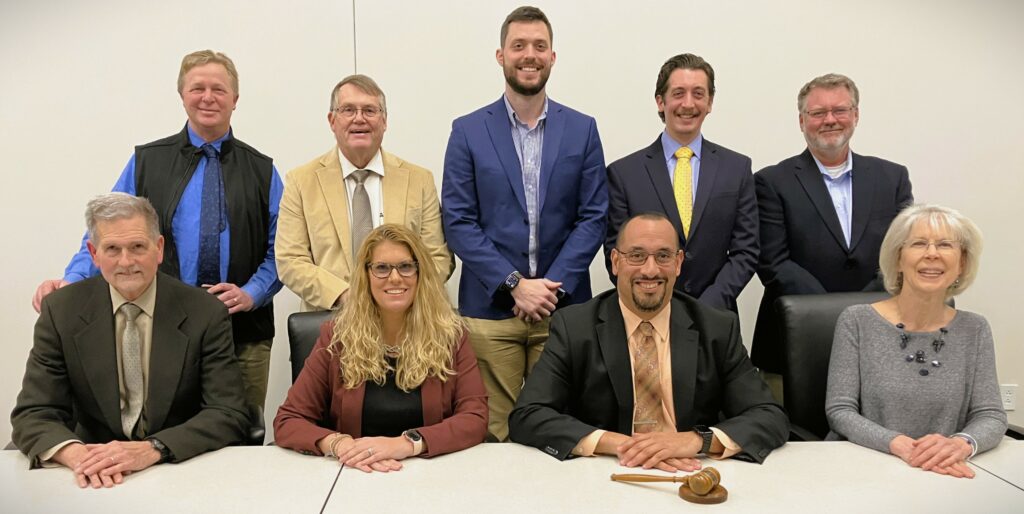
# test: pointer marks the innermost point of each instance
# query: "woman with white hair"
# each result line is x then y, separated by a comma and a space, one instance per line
910, 375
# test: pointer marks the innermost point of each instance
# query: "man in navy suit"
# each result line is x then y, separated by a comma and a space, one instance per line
824, 212
705, 190
524, 204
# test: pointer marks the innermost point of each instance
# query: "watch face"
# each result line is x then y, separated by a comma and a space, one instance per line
413, 435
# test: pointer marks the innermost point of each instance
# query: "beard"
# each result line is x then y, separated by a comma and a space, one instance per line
523, 89
649, 302
829, 144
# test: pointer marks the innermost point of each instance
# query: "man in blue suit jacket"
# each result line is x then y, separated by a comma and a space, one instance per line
524, 203
720, 236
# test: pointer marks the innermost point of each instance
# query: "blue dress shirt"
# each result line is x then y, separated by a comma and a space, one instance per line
263, 284
841, 191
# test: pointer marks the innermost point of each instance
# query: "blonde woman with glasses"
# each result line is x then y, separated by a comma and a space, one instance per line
910, 375
392, 375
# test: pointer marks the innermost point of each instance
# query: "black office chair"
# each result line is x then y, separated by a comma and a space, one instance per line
257, 426
808, 324
303, 330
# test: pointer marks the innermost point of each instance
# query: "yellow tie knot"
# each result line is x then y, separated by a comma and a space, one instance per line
684, 152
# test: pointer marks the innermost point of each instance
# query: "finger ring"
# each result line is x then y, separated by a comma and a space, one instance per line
369, 451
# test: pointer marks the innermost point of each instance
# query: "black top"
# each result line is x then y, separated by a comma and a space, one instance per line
388, 411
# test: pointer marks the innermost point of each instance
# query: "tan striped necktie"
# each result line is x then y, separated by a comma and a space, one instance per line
647, 416
362, 214
131, 367
682, 187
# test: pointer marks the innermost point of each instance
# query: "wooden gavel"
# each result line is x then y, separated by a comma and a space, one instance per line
703, 486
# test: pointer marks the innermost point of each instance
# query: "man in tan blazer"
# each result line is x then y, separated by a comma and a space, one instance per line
336, 198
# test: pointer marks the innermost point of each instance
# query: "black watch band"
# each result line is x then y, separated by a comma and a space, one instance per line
165, 452
512, 280
706, 435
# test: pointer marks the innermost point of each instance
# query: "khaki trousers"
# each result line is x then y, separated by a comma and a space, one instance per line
254, 361
506, 349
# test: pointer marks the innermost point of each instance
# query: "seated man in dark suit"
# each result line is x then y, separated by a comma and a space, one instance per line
642, 373
90, 400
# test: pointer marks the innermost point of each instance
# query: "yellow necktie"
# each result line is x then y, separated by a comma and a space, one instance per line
682, 187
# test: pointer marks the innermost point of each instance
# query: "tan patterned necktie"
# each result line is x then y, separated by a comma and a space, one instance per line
682, 187
131, 364
362, 214
647, 416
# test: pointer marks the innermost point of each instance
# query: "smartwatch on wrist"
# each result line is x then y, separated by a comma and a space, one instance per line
162, 449
706, 435
512, 280
414, 437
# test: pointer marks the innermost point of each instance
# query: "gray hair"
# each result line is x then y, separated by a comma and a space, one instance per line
119, 206
963, 231
364, 84
828, 81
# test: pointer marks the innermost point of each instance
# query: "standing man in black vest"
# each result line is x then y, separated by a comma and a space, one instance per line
217, 199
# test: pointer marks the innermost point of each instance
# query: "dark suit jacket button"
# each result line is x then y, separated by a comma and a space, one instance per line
686, 287
551, 451
688, 255
850, 264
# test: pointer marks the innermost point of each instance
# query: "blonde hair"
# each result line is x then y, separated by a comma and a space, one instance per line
962, 230
202, 57
430, 335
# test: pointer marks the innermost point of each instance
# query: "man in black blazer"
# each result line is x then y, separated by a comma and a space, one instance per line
720, 238
579, 400
824, 212
133, 363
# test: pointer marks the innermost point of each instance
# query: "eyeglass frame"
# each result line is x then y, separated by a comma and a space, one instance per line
393, 267
349, 112
953, 245
839, 113
669, 260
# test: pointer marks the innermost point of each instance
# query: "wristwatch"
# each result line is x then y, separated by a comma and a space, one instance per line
512, 280
414, 437
159, 446
706, 434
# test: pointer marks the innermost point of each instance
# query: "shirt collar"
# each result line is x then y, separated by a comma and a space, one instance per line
670, 146
198, 142
146, 301
514, 118
376, 164
847, 169
660, 320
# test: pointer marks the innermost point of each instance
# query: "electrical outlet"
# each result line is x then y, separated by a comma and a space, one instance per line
1008, 393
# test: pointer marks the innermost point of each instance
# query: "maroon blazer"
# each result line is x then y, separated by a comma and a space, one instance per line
318, 404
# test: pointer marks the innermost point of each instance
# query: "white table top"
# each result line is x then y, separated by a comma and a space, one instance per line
799, 477
235, 479
1006, 461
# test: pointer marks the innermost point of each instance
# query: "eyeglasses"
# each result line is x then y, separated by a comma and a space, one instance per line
639, 257
840, 113
383, 269
944, 246
349, 111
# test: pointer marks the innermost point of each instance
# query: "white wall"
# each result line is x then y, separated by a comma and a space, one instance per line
82, 84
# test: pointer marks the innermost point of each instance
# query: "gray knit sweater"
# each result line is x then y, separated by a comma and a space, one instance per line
874, 394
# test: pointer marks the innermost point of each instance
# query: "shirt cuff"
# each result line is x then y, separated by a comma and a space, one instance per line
44, 458
970, 440
587, 445
731, 448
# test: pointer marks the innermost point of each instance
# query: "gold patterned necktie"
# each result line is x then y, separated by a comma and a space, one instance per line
131, 364
362, 215
647, 416
682, 187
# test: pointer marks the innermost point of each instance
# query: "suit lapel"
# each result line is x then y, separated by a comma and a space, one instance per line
809, 177
705, 183
167, 354
394, 188
351, 416
863, 196
654, 163
614, 345
554, 125
430, 399
332, 185
97, 347
683, 342
501, 137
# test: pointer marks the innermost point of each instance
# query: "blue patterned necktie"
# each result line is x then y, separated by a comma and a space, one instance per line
211, 220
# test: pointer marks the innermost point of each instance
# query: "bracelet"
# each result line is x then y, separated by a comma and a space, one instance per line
970, 441
332, 446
